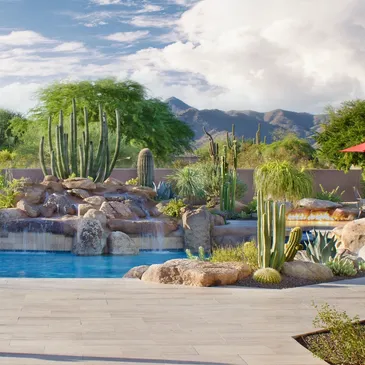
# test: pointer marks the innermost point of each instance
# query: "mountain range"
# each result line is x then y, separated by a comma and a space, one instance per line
246, 122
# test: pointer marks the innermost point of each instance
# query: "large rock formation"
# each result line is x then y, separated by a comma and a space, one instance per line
115, 210
353, 235
197, 273
89, 238
60, 204
197, 226
121, 244
307, 270
79, 183
96, 214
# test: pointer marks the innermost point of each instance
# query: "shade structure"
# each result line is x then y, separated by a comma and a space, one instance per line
357, 148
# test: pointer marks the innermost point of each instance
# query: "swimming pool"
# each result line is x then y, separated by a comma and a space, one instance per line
67, 265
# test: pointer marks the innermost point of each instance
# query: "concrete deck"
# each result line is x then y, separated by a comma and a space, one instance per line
94, 322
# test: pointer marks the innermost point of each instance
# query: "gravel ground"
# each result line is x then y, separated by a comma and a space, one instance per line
290, 282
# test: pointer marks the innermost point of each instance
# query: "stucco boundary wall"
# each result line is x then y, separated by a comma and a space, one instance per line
330, 179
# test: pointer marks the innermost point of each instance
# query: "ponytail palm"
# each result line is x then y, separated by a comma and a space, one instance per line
282, 181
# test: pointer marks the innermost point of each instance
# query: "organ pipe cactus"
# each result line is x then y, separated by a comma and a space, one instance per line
145, 168
228, 174
293, 245
74, 157
270, 233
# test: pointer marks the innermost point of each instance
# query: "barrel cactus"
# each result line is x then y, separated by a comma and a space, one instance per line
293, 245
145, 168
267, 275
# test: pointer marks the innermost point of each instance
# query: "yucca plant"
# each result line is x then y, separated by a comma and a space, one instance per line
282, 181
333, 195
322, 249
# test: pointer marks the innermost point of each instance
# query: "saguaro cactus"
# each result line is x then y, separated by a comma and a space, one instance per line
77, 157
270, 233
145, 168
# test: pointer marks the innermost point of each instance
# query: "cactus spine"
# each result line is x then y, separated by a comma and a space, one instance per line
72, 157
293, 245
270, 233
145, 168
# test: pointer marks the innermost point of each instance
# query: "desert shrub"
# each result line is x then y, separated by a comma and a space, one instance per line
341, 266
362, 266
188, 183
283, 181
344, 344
228, 254
252, 206
333, 195
7, 159
173, 208
133, 181
251, 255
9, 190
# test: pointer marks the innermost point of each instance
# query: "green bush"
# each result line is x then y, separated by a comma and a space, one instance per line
251, 255
173, 208
201, 254
252, 207
9, 190
282, 181
341, 266
344, 344
362, 266
333, 195
133, 181
228, 254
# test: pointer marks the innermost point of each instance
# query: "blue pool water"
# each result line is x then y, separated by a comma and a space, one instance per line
66, 265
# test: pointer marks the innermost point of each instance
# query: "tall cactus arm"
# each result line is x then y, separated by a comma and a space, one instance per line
41, 157
117, 144
50, 145
91, 159
87, 140
53, 165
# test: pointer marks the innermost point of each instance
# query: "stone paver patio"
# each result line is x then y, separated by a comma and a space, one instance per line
106, 321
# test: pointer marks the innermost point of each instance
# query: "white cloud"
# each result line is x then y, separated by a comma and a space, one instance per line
150, 8
127, 37
147, 21
70, 47
106, 2
22, 38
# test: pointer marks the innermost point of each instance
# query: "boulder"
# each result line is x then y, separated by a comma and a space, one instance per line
345, 214
80, 193
197, 226
32, 211
47, 212
89, 238
353, 235
336, 233
84, 208
35, 194
11, 214
301, 256
361, 253
120, 243
97, 215
307, 270
218, 220
50, 178
144, 191
153, 227
113, 181
135, 208
95, 200
136, 272
53, 186
197, 273
79, 183
115, 210
239, 207
60, 204
317, 204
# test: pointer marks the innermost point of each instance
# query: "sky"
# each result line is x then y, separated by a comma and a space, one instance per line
299, 55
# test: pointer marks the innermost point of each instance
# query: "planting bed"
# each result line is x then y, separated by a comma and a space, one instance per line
290, 282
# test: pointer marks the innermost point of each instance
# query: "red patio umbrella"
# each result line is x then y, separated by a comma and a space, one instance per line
357, 148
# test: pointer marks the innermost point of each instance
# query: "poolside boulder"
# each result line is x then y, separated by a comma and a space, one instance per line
96, 214
353, 235
89, 238
120, 243
136, 272
197, 273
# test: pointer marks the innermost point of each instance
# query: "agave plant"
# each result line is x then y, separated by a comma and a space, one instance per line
163, 190
322, 249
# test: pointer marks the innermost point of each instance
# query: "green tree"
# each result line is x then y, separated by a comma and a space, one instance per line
145, 122
7, 140
345, 128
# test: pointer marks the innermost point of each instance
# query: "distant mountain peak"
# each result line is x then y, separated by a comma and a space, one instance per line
177, 106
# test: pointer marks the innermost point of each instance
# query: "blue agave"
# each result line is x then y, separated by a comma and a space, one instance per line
163, 190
